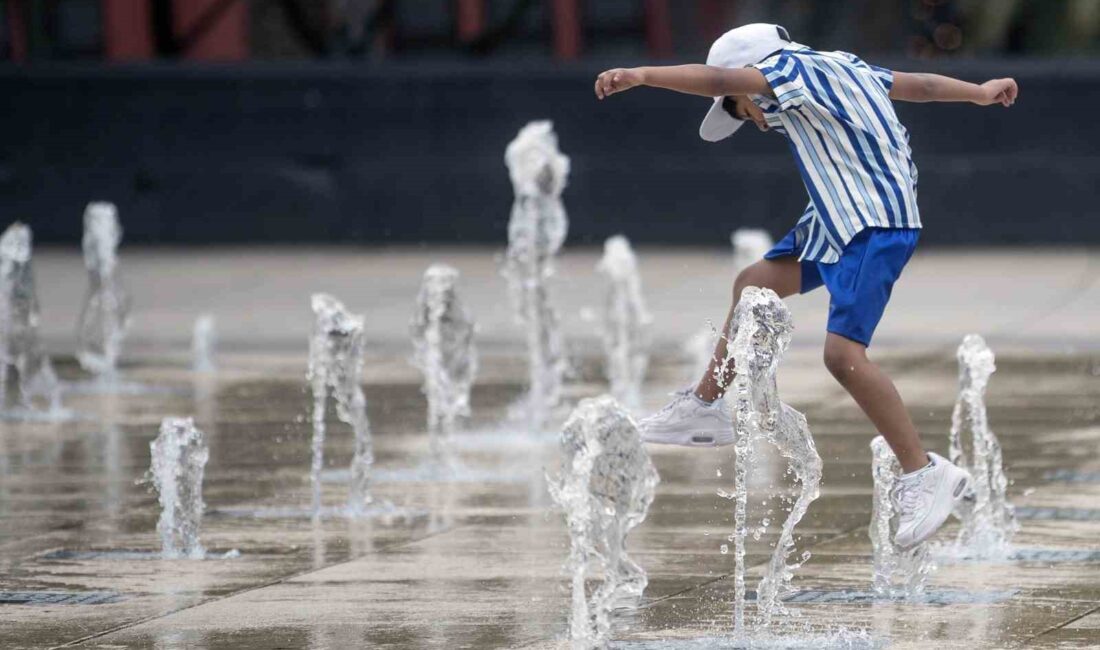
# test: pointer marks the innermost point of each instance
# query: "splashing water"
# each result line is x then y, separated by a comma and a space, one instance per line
698, 350
336, 369
443, 344
990, 523
898, 573
626, 322
204, 338
21, 350
105, 315
762, 332
749, 246
536, 231
791, 637
179, 456
605, 489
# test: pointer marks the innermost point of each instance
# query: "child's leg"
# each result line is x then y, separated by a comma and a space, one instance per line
783, 276
876, 395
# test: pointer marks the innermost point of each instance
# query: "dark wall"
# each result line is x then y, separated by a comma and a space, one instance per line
407, 154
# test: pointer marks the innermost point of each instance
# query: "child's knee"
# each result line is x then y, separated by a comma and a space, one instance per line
842, 356
748, 277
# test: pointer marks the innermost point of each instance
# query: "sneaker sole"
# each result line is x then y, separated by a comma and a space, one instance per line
691, 439
959, 492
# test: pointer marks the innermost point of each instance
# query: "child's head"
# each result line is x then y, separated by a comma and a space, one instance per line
739, 48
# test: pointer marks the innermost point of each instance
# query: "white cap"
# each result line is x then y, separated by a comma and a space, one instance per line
737, 48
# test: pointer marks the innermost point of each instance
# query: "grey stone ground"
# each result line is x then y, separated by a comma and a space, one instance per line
480, 565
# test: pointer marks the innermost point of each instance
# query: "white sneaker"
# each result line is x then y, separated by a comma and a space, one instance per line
689, 421
925, 499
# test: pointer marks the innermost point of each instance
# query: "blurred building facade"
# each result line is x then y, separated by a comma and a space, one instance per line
385, 121
562, 30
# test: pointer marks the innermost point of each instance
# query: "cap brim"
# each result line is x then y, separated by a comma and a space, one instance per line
718, 124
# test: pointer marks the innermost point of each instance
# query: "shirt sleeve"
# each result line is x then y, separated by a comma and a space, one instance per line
883, 75
784, 75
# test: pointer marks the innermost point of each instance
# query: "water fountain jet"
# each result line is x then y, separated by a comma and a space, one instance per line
761, 333
749, 246
104, 317
626, 322
536, 231
898, 573
605, 489
21, 351
443, 343
989, 521
204, 338
336, 369
179, 456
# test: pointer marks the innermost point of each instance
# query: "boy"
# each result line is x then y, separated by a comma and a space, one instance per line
855, 236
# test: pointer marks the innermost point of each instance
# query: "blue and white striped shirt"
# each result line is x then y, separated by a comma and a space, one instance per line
852, 152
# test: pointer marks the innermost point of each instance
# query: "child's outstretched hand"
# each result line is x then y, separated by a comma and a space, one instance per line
999, 91
617, 80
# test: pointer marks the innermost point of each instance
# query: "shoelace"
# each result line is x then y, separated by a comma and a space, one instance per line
908, 494
680, 396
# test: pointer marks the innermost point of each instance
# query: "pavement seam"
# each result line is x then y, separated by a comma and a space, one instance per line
278, 581
1064, 623
719, 578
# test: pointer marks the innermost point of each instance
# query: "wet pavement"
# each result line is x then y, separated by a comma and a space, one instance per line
477, 561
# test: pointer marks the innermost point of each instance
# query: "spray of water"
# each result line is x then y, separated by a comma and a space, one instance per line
749, 246
105, 315
443, 343
626, 322
898, 573
989, 523
606, 487
204, 338
336, 369
536, 231
762, 332
179, 456
698, 350
21, 351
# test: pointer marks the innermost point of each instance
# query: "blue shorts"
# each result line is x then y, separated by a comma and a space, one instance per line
859, 282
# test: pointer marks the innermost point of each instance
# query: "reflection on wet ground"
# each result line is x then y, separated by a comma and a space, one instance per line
479, 565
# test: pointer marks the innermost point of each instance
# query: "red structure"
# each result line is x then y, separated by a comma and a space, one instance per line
204, 30
470, 19
658, 28
566, 23
212, 30
126, 30
218, 30
17, 25
715, 17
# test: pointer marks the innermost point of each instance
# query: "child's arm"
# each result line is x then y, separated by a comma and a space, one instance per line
925, 87
692, 79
